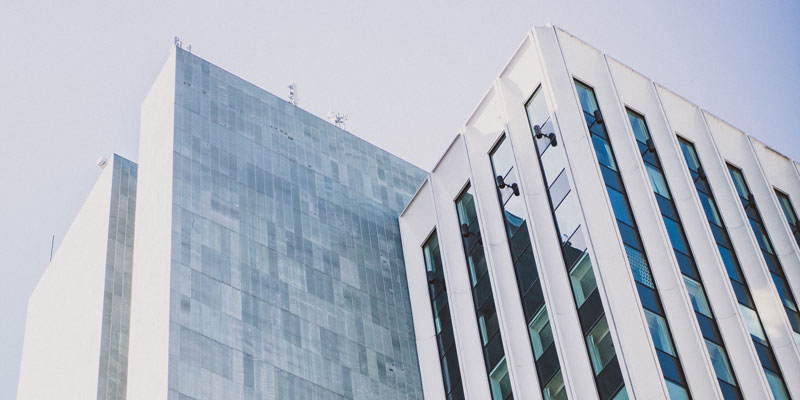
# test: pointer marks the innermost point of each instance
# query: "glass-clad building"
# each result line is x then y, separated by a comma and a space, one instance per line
610, 240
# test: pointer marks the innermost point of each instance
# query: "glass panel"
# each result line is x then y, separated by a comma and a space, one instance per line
720, 361
639, 267
676, 236
753, 324
677, 392
776, 385
541, 334
582, 279
568, 217
657, 180
601, 347
659, 332
537, 109
586, 96
783, 291
697, 294
639, 126
555, 390
500, 382
620, 206
786, 205
738, 181
710, 209
552, 163
689, 154
466, 207
603, 151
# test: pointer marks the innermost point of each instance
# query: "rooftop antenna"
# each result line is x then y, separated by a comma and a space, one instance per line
102, 162
52, 242
337, 119
293, 94
178, 42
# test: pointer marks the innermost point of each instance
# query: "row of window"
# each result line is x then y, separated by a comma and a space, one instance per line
634, 249
767, 250
568, 224
530, 288
571, 234
740, 287
686, 261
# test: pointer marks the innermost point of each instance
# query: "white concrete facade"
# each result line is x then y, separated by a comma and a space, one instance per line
66, 353
552, 59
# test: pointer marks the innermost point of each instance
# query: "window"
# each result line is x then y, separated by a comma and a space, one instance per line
601, 346
541, 334
657, 180
482, 296
697, 294
555, 390
659, 332
720, 361
738, 181
500, 382
753, 324
582, 278
441, 317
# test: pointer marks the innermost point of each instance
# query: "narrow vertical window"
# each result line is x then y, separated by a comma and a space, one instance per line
530, 288
445, 339
571, 234
736, 276
683, 254
483, 299
767, 250
634, 250
791, 216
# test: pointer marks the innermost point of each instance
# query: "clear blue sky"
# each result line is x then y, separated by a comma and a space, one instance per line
73, 75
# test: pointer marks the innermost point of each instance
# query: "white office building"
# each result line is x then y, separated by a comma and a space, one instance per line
589, 234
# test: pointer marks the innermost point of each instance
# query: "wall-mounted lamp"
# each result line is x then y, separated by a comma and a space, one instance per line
537, 131
501, 183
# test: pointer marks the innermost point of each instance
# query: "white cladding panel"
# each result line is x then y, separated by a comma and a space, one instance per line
61, 353
149, 337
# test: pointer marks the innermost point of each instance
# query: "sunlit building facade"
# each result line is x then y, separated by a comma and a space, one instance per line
589, 234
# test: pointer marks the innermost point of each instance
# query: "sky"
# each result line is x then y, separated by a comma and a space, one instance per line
407, 74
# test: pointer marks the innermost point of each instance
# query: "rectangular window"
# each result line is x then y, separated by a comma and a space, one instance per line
482, 297
791, 216
509, 190
451, 375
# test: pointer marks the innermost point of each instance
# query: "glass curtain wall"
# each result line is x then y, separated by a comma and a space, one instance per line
445, 339
791, 216
746, 305
767, 250
634, 249
571, 233
686, 261
530, 288
485, 311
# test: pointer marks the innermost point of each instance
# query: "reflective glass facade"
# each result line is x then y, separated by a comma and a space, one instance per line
740, 287
287, 276
530, 287
445, 339
566, 212
485, 311
686, 261
634, 249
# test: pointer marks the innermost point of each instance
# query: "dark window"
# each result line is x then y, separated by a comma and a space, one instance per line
441, 319
482, 296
